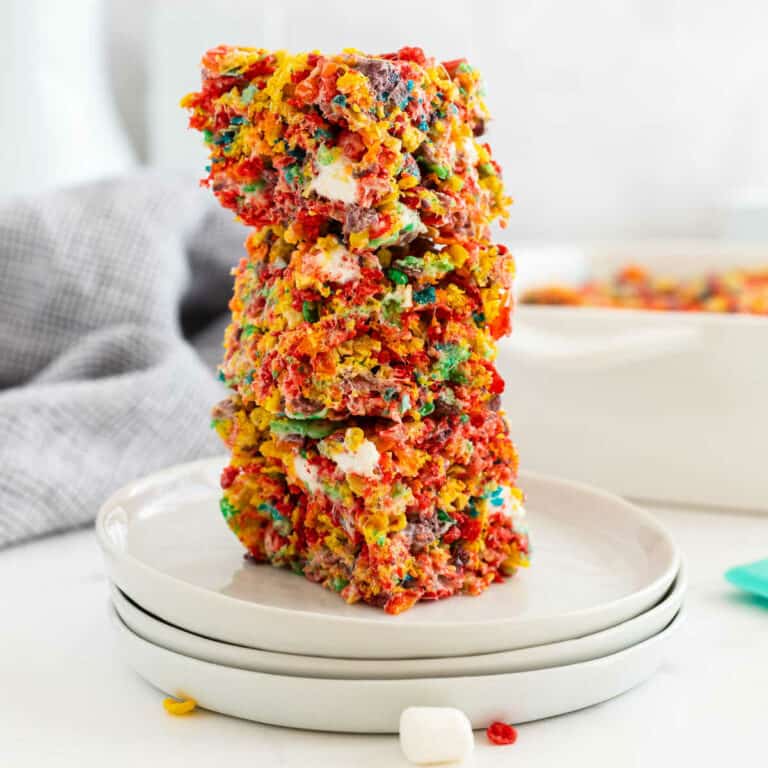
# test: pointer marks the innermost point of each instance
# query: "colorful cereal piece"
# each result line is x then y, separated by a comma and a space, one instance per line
179, 707
501, 733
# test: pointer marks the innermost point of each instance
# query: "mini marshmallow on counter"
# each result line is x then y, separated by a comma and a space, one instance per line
430, 735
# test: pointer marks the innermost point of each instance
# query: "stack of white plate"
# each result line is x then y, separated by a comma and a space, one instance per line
590, 619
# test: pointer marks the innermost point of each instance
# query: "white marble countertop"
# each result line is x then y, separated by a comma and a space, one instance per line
67, 700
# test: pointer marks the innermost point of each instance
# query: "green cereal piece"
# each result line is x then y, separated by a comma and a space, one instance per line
440, 266
426, 409
324, 155
293, 174
486, 169
398, 277
228, 510
441, 171
451, 357
310, 311
411, 262
315, 429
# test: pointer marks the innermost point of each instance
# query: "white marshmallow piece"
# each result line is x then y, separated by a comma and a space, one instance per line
431, 735
335, 181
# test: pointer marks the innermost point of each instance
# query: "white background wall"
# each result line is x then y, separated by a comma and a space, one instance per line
613, 117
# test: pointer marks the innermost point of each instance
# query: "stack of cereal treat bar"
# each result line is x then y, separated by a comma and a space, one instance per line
368, 451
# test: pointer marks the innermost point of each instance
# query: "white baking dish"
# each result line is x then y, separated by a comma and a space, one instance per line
666, 406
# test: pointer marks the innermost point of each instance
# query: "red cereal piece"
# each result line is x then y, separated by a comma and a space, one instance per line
501, 734
412, 53
228, 475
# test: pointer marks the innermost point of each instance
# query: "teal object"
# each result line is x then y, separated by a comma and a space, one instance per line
752, 577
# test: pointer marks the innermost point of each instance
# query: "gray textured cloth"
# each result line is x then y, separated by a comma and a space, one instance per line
104, 292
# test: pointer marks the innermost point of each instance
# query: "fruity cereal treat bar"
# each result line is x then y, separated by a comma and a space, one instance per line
368, 451
400, 332
380, 148
389, 513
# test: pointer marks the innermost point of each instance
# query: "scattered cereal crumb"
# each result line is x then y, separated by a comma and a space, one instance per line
501, 733
179, 706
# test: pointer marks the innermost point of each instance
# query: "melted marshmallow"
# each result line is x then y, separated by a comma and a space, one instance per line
334, 181
470, 151
409, 216
402, 296
362, 461
306, 473
511, 507
339, 265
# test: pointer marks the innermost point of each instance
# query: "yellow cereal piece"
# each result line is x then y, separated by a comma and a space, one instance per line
272, 403
358, 240
260, 419
455, 183
459, 254
398, 522
355, 84
411, 138
452, 496
353, 438
178, 707
356, 484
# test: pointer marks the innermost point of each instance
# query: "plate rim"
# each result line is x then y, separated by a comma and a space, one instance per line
675, 597
673, 624
484, 698
662, 581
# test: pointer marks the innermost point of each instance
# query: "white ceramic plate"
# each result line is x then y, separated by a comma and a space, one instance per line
374, 706
585, 648
597, 561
